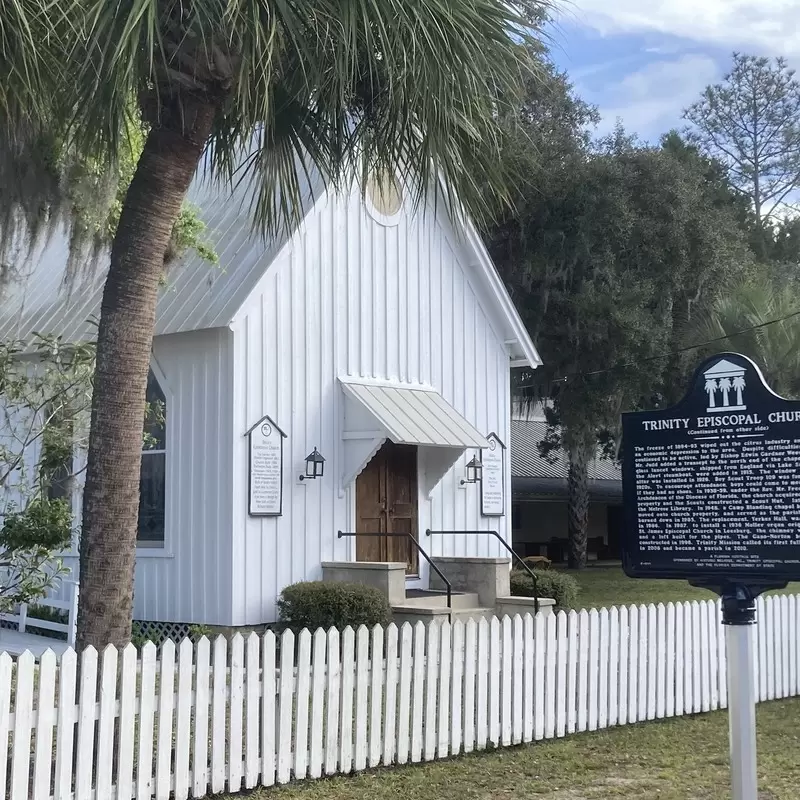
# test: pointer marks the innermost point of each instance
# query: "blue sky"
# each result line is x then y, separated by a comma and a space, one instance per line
644, 61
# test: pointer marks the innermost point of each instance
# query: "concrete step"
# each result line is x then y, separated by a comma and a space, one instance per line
426, 614
424, 598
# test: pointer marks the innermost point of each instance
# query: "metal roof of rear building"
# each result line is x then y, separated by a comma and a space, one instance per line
527, 461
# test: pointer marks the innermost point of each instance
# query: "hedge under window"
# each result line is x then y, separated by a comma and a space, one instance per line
154, 456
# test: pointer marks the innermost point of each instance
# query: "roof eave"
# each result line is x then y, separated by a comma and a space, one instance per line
521, 349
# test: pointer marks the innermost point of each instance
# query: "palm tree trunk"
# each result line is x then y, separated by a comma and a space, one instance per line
578, 503
124, 343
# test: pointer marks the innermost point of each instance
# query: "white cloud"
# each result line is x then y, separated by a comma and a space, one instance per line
771, 27
651, 100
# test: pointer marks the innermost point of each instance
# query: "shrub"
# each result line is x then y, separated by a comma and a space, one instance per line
138, 637
329, 604
559, 586
197, 632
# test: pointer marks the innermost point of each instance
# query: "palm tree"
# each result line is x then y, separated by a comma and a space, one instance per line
725, 388
580, 449
738, 386
759, 321
272, 88
711, 389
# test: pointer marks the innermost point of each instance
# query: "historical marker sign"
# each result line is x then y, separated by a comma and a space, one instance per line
265, 474
493, 478
712, 486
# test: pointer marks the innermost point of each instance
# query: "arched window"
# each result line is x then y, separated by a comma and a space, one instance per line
154, 458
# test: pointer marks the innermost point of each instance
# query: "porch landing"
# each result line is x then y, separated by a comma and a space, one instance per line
15, 643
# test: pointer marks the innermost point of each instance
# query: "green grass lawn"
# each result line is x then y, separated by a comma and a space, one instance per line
609, 586
678, 759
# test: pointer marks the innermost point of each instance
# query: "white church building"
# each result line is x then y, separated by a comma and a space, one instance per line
376, 339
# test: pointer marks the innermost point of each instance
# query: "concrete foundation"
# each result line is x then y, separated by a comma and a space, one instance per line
487, 577
389, 577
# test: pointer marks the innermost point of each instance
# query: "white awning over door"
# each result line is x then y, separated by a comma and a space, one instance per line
412, 415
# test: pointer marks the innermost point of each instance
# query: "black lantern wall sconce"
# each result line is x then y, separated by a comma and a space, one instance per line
474, 472
315, 466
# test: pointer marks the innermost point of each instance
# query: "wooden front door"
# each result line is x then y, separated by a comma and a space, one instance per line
386, 502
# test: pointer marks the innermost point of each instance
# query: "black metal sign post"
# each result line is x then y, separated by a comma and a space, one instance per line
711, 492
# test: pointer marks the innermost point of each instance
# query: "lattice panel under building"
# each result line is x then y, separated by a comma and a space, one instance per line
159, 632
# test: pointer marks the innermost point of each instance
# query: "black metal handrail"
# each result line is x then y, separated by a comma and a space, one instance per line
420, 550
508, 547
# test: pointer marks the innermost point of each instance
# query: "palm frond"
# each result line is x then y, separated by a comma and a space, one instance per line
334, 86
760, 321
19, 56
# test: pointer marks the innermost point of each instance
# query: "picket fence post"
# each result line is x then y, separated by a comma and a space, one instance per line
669, 675
470, 673
23, 713
445, 676
431, 670
348, 686
332, 687
268, 715
219, 704
404, 694
517, 680
201, 715
603, 668
183, 722
482, 691
43, 754
457, 687
390, 715
418, 692
624, 660
285, 703
540, 658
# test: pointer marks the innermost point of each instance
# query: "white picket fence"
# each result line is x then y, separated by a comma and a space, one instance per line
224, 716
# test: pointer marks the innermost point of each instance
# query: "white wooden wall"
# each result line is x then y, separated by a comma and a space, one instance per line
190, 579
350, 297
221, 716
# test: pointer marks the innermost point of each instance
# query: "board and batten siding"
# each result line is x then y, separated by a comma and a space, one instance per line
189, 580
349, 297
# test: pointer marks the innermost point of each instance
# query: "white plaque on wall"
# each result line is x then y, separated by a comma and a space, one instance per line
493, 483
265, 469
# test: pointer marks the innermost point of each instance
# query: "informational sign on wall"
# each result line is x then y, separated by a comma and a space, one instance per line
265, 472
493, 484
712, 486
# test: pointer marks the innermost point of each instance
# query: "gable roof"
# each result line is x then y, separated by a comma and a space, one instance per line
43, 293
